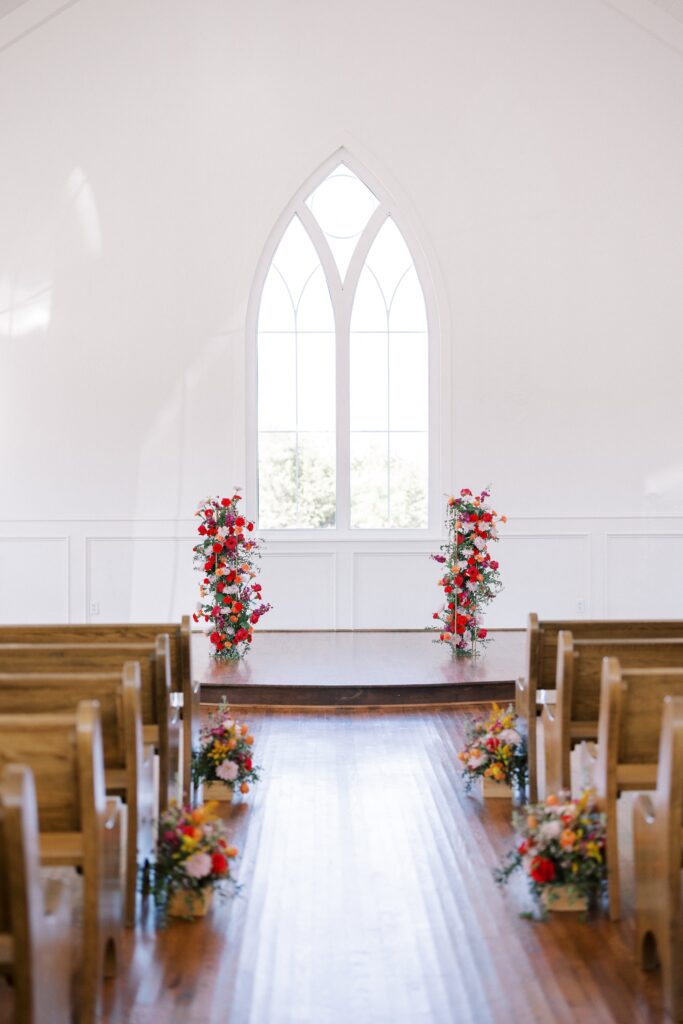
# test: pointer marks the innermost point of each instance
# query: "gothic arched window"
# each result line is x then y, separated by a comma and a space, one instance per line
343, 368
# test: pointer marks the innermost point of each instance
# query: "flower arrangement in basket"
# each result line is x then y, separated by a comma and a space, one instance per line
230, 599
192, 859
561, 850
224, 760
471, 578
495, 752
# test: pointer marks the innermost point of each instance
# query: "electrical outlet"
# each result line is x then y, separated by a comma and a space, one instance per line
94, 608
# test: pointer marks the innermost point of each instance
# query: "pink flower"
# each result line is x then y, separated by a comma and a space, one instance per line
227, 770
198, 865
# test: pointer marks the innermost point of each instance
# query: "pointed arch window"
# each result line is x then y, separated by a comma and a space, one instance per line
343, 368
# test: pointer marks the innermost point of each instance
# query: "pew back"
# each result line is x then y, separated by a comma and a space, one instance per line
629, 735
35, 946
180, 661
160, 716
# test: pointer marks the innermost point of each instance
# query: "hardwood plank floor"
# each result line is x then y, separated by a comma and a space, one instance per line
368, 898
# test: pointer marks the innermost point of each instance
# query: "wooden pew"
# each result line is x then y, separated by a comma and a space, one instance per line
574, 716
160, 717
629, 731
658, 855
538, 686
128, 773
79, 827
183, 683
35, 941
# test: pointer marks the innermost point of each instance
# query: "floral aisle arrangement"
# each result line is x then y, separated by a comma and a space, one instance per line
224, 758
471, 578
231, 599
192, 859
494, 751
561, 851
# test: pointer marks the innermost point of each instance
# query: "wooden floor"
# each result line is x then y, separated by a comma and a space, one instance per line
368, 899
360, 669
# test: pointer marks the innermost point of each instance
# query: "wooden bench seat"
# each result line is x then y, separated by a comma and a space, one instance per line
630, 723
129, 773
79, 827
658, 859
159, 715
574, 716
183, 684
537, 687
35, 946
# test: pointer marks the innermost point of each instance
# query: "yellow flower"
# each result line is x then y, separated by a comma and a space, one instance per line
593, 850
188, 843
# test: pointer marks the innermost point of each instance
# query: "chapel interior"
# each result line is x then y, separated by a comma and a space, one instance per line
341, 512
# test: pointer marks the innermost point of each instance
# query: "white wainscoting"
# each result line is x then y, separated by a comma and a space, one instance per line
125, 570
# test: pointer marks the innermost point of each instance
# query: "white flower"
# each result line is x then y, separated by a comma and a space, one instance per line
468, 552
550, 830
466, 527
227, 770
198, 865
470, 585
511, 736
479, 542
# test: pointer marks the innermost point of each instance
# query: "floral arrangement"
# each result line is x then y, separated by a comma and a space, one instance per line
471, 577
230, 599
225, 753
193, 852
562, 844
494, 749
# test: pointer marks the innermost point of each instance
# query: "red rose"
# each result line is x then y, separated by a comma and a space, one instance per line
248, 764
217, 548
255, 617
465, 491
240, 521
195, 617
202, 530
250, 526
473, 517
447, 590
226, 599
494, 565
487, 517
219, 863
225, 502
257, 586
459, 580
473, 573
215, 637
542, 870
220, 587
482, 634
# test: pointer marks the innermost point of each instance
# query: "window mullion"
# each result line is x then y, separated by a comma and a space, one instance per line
343, 302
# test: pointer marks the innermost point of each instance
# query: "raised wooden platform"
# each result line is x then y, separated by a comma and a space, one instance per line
360, 669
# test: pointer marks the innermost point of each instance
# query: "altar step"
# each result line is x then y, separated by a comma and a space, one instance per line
307, 695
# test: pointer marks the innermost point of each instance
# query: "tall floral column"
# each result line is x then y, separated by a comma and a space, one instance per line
471, 578
227, 556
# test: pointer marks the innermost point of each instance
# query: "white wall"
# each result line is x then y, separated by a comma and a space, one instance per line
147, 147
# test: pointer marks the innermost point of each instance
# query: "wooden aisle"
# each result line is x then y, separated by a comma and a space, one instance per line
368, 899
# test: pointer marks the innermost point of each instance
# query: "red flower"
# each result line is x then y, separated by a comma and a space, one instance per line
219, 862
522, 848
220, 587
248, 764
240, 521
542, 870
487, 517
482, 634
215, 637
250, 526
202, 530
459, 580
196, 617
255, 617
217, 548
473, 517
225, 502
465, 491
494, 565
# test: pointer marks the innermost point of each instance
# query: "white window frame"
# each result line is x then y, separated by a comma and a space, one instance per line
342, 296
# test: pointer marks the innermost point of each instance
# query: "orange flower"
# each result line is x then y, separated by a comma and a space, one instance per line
567, 839
531, 822
249, 740
551, 801
244, 728
244, 788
